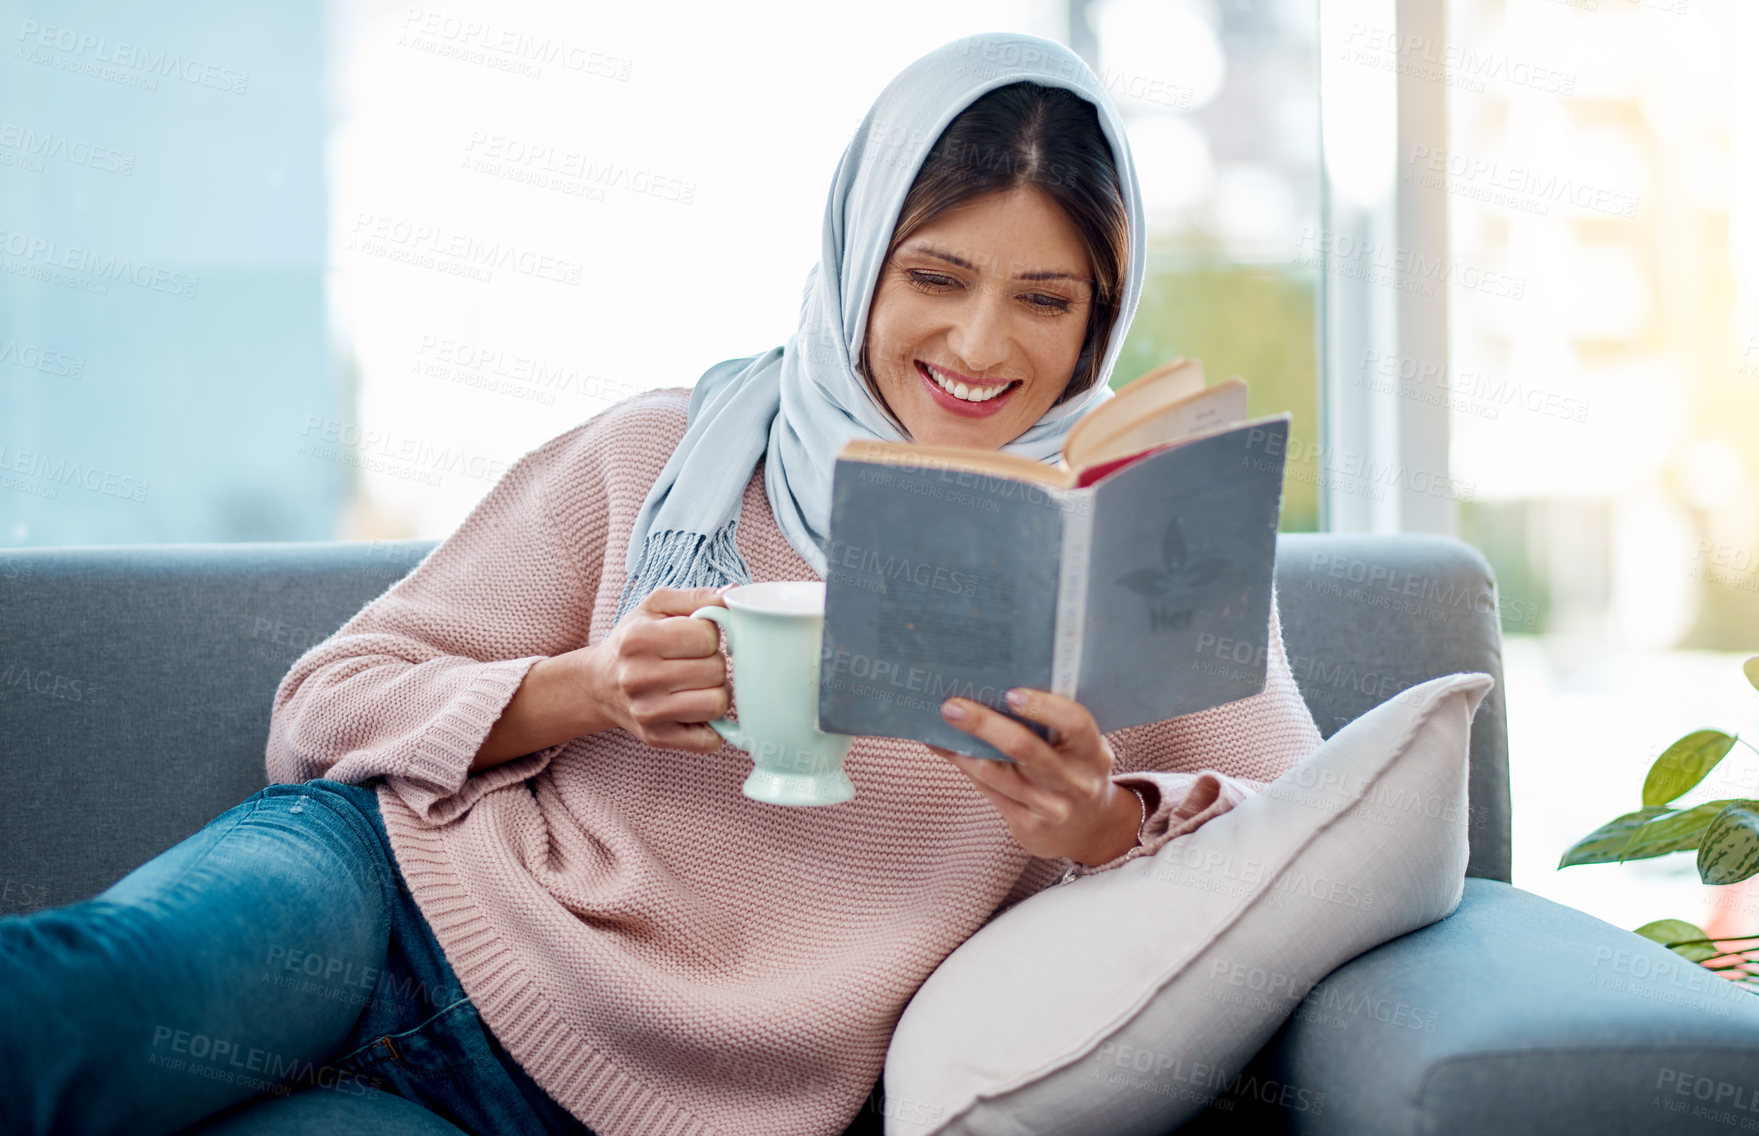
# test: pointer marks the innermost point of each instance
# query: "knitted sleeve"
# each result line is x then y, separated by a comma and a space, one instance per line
1195, 767
409, 687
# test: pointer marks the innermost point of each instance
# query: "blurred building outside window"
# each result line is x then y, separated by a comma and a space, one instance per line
1601, 158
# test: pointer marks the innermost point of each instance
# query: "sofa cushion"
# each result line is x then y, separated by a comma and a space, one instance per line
1126, 1001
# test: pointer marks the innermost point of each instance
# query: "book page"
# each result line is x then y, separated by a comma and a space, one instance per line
1219, 406
1096, 472
1143, 397
994, 463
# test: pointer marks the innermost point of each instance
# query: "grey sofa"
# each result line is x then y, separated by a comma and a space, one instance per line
135, 685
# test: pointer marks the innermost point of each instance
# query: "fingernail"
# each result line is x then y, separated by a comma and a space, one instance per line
952, 710
723, 588
1016, 698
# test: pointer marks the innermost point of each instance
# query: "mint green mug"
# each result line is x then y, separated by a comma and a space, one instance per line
773, 633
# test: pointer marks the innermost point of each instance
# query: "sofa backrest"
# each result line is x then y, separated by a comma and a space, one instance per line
1365, 617
136, 681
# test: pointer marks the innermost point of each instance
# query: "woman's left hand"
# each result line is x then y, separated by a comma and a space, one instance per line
1059, 799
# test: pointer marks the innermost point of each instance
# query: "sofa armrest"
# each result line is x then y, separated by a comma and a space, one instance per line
1514, 1014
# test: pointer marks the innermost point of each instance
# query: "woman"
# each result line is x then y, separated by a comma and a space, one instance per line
506, 872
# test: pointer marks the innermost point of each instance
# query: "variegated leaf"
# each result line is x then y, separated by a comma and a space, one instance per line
1729, 852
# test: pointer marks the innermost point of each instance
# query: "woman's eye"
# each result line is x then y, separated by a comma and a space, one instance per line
932, 280
937, 282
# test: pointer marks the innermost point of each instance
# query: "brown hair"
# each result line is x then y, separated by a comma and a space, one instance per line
1047, 137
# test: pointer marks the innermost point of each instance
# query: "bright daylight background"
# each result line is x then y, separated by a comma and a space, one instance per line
310, 361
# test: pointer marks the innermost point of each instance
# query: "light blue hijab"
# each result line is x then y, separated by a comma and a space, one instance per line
798, 404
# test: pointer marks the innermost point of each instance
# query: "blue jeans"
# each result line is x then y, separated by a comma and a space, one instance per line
270, 974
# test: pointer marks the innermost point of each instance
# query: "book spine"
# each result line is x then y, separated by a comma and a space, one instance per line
1071, 622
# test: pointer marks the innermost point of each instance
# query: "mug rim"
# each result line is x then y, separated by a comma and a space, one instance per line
799, 598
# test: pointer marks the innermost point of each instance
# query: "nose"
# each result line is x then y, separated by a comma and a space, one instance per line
979, 337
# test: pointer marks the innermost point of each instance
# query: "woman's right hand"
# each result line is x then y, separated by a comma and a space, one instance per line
660, 675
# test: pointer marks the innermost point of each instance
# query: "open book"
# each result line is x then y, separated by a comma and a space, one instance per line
1133, 575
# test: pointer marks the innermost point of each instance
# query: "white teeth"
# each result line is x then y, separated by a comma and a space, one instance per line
960, 390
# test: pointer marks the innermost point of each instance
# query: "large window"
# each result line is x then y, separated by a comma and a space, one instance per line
237, 302
164, 215
1602, 156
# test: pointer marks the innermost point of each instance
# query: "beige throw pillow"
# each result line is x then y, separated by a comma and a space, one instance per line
1124, 1003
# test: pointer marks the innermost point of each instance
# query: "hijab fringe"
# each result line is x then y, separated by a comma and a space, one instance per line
679, 559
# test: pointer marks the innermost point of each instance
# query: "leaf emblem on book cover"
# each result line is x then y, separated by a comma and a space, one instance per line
1175, 570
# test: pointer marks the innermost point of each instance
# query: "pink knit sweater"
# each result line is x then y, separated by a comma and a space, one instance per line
663, 955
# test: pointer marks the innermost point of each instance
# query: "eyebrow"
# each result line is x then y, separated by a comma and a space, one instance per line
963, 263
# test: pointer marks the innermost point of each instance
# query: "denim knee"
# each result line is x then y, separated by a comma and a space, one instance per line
178, 989
354, 809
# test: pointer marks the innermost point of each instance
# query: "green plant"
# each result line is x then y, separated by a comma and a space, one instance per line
1725, 834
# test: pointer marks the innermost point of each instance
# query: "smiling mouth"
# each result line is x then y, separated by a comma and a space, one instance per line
971, 392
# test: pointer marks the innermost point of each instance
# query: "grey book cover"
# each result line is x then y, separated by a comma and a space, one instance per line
1144, 596
1177, 615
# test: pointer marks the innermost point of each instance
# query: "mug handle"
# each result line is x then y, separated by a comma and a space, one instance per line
726, 727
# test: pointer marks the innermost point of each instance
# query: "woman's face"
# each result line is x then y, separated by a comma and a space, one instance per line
992, 297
